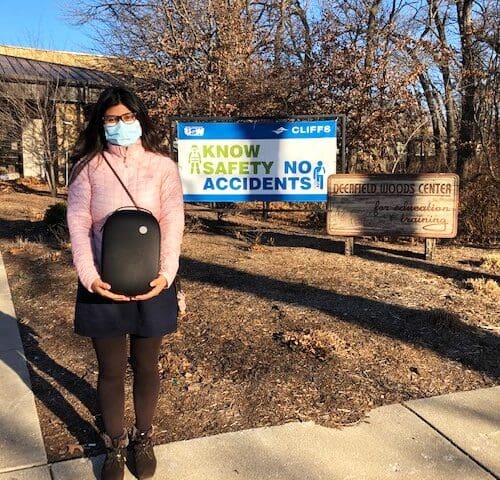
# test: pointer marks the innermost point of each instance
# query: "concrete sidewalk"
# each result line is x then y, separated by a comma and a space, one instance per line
455, 437
451, 437
21, 442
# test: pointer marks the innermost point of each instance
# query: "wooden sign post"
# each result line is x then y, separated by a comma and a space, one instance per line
430, 244
424, 206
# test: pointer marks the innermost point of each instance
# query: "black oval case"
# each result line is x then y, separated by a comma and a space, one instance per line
130, 256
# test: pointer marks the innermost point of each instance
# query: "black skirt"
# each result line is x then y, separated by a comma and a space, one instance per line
98, 317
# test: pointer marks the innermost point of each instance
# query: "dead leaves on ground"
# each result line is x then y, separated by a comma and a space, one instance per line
320, 344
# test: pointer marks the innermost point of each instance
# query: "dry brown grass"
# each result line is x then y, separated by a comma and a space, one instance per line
193, 224
491, 262
280, 327
24, 245
443, 319
483, 286
480, 210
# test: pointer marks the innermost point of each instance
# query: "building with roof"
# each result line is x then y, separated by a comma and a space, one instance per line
44, 99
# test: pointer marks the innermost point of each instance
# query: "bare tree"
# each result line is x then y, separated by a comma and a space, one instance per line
487, 102
32, 112
465, 87
390, 65
362, 70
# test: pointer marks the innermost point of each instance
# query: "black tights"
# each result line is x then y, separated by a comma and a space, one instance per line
112, 359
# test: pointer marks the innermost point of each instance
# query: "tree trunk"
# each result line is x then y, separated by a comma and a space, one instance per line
451, 124
371, 34
467, 140
280, 29
437, 133
51, 175
444, 68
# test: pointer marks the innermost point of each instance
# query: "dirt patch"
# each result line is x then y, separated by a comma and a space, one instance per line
280, 327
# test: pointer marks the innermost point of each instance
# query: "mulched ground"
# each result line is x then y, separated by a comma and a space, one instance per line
281, 326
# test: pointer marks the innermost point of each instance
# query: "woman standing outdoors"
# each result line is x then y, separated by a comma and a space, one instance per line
120, 129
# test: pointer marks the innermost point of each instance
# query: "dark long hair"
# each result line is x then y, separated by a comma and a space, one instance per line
92, 140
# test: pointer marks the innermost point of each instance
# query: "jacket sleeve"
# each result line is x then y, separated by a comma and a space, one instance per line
171, 221
80, 228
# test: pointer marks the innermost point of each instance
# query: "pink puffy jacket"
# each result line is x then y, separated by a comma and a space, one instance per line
154, 182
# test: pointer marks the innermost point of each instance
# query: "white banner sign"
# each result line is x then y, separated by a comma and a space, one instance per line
265, 161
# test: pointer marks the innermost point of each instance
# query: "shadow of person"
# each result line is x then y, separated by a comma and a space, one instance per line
43, 369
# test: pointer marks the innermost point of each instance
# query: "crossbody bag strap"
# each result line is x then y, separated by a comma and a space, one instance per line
120, 180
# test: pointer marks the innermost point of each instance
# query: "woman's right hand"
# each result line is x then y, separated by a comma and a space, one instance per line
104, 289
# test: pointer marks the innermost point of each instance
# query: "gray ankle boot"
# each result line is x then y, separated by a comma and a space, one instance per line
116, 454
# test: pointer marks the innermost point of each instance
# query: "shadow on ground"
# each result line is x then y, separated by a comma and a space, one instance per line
451, 338
319, 242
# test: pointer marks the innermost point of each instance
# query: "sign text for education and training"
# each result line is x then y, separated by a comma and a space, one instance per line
424, 205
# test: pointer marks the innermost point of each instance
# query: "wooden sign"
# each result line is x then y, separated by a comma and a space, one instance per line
424, 205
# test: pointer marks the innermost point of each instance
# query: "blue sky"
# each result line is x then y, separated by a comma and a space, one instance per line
40, 24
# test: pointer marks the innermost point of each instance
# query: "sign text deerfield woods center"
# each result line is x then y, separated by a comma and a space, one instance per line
424, 205
261, 160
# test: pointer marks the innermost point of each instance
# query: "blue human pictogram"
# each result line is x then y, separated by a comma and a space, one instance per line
318, 174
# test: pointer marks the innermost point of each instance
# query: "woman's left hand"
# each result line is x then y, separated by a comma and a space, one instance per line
158, 284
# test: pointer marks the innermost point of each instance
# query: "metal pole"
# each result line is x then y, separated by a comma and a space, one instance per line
66, 169
344, 165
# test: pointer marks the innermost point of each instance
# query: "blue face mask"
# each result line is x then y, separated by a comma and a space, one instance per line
123, 134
